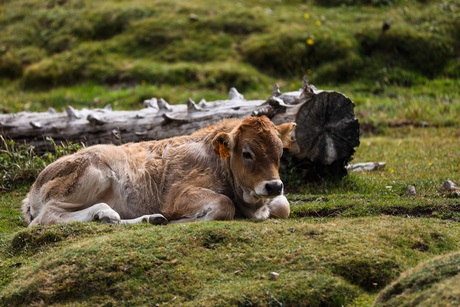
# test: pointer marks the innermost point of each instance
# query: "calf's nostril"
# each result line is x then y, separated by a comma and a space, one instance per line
274, 188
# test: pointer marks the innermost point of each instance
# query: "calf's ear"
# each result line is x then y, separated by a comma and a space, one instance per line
284, 133
222, 143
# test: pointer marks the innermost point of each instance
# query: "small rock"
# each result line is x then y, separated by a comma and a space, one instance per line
274, 276
193, 17
386, 26
449, 187
367, 166
236, 272
411, 191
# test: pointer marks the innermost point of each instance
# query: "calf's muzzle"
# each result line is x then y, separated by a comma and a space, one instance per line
274, 188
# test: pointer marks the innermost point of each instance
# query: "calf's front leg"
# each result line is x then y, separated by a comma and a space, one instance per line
199, 204
155, 219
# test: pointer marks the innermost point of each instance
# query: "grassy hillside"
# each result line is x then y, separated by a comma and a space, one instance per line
79, 52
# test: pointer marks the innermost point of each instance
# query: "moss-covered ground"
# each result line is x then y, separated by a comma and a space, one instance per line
348, 242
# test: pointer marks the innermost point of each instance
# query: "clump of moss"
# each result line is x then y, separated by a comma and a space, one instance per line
406, 47
240, 22
295, 50
31, 239
434, 282
86, 64
13, 61
10, 65
368, 273
332, 3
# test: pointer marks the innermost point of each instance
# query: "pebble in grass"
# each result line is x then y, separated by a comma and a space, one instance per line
411, 191
449, 187
274, 276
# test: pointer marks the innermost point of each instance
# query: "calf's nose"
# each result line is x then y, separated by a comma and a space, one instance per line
274, 188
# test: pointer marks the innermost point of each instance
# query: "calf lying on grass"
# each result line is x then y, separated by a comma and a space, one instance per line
202, 177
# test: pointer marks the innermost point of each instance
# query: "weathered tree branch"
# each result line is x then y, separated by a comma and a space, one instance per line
326, 134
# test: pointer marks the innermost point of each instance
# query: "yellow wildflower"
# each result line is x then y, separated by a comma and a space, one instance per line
306, 16
310, 41
318, 22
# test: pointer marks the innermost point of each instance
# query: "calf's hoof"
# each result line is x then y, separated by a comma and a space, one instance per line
108, 220
158, 219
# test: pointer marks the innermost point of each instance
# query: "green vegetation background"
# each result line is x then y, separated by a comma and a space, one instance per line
346, 240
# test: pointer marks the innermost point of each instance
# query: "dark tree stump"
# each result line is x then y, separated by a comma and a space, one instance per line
327, 129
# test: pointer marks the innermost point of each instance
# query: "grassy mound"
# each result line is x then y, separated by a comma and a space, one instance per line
226, 263
434, 282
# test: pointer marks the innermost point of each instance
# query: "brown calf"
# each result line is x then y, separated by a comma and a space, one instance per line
205, 176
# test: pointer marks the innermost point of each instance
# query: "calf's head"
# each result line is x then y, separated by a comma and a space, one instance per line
255, 148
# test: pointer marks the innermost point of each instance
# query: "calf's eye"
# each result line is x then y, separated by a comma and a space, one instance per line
247, 155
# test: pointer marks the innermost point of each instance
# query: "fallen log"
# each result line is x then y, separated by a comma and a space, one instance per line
324, 140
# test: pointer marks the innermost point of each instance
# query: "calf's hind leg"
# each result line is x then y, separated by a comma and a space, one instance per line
56, 212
